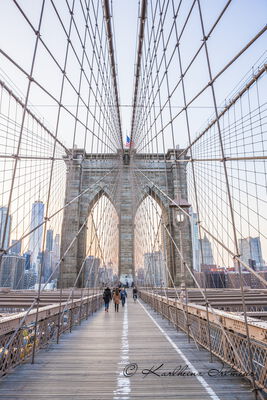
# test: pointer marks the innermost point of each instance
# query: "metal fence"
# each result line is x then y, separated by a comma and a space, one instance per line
223, 338
17, 341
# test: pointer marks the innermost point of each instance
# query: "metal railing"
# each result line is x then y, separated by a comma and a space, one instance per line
53, 321
227, 333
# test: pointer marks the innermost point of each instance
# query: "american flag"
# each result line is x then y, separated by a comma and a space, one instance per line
128, 141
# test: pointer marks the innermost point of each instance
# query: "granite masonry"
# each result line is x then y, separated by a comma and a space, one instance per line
156, 175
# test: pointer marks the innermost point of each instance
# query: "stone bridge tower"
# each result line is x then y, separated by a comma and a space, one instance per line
163, 174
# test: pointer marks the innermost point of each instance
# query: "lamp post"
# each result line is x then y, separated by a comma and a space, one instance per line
179, 204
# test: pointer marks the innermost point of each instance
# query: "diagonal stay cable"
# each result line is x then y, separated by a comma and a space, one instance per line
235, 257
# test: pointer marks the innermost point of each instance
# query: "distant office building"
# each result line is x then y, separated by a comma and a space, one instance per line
16, 249
215, 279
208, 267
30, 279
212, 278
195, 240
91, 271
55, 265
56, 246
250, 252
5, 221
38, 264
206, 250
140, 276
36, 236
47, 265
228, 278
101, 276
49, 240
12, 271
154, 268
27, 257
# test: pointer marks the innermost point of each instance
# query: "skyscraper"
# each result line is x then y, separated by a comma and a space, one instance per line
16, 249
4, 241
27, 257
12, 271
56, 247
250, 250
207, 251
36, 236
49, 240
47, 260
195, 240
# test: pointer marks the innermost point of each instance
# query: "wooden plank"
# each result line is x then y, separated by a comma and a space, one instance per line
88, 364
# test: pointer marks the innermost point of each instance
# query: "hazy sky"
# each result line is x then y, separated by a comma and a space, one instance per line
240, 23
242, 20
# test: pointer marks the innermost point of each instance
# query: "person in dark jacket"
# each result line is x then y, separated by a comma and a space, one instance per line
107, 297
123, 296
135, 293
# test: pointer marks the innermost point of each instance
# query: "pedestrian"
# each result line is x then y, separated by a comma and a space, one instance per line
116, 299
123, 296
134, 293
107, 297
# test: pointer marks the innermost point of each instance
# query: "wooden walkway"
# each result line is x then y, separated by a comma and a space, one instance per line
88, 364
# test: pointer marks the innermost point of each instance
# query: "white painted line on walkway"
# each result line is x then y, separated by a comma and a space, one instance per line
123, 383
201, 380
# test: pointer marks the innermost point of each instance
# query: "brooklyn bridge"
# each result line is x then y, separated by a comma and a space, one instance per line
133, 172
